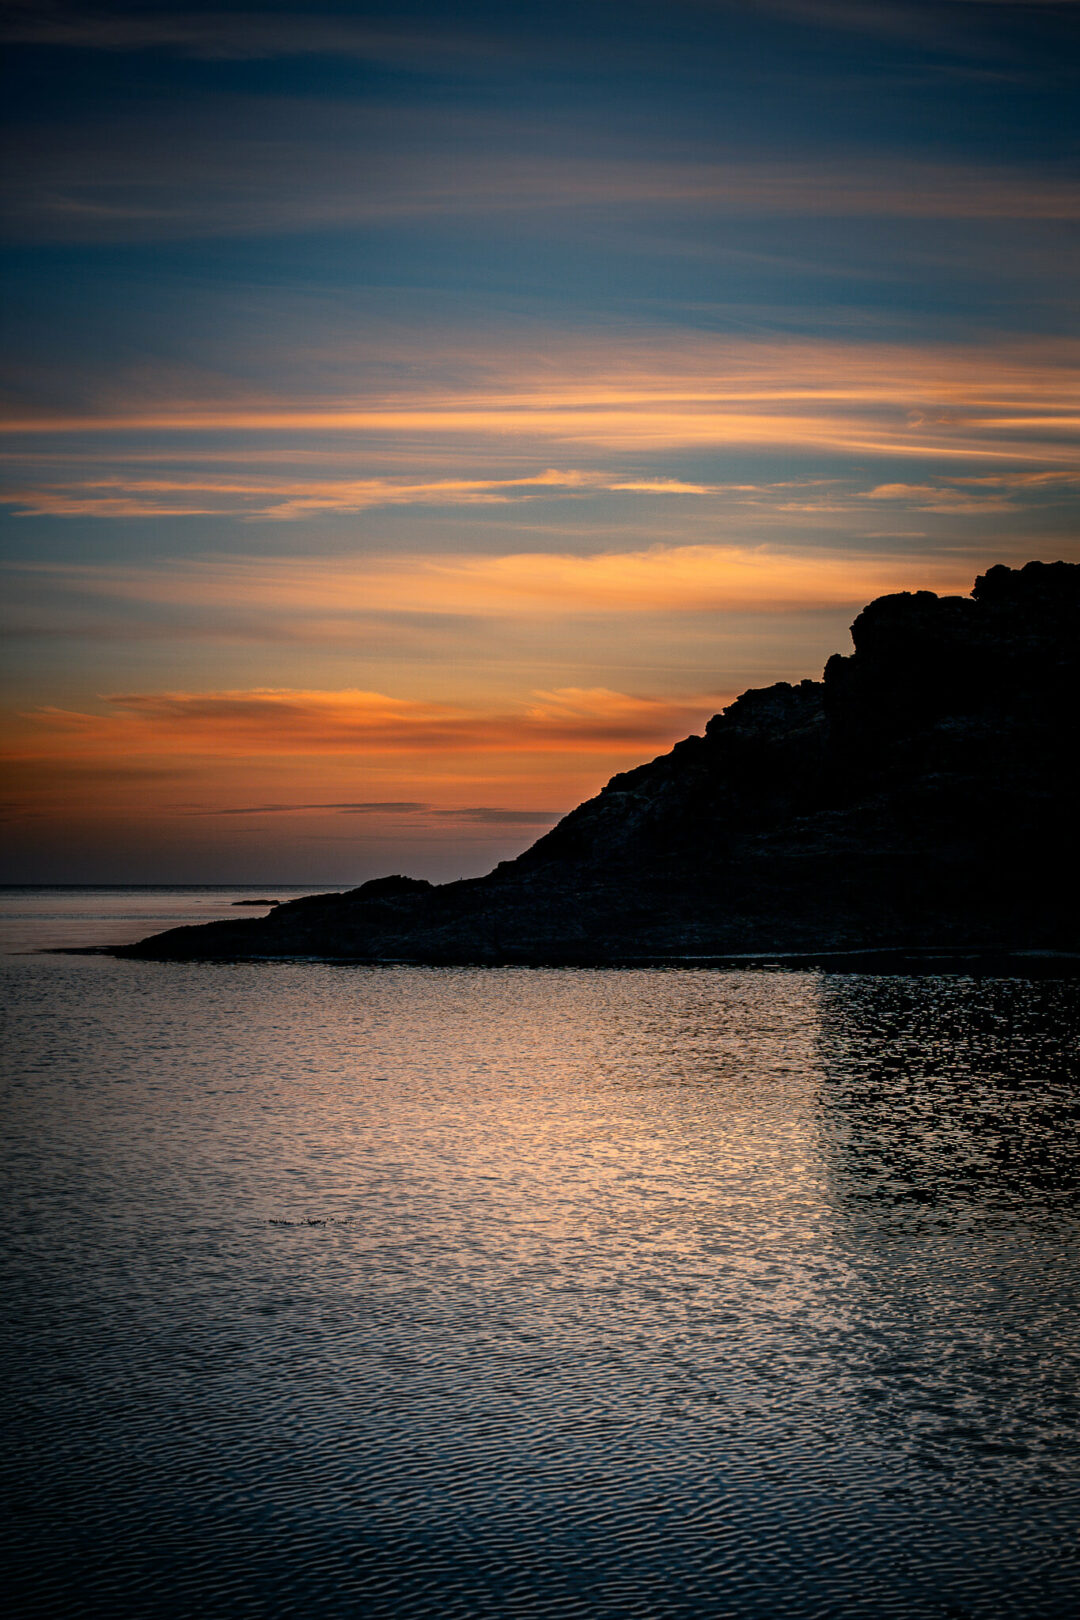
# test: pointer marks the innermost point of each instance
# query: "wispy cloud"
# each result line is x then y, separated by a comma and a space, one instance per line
979, 494
372, 807
293, 499
232, 34
272, 168
1009, 400
489, 815
242, 35
290, 723
955, 25
482, 815
941, 498
691, 579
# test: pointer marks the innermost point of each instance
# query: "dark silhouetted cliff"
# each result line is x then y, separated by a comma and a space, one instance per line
922, 796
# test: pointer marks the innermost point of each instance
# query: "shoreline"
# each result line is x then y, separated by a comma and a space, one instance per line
910, 961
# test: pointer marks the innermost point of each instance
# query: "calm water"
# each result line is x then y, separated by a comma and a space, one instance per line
41, 918
628, 1294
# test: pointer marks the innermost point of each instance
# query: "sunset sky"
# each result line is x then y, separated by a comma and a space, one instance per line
414, 414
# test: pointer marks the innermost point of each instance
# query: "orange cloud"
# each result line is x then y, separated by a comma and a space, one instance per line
641, 396
1021, 480
269, 723
297, 498
939, 498
661, 579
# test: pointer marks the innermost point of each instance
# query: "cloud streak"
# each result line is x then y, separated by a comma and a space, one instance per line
300, 723
690, 579
639, 400
278, 168
239, 36
295, 499
482, 815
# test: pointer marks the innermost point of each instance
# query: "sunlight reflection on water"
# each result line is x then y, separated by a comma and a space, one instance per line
659, 1293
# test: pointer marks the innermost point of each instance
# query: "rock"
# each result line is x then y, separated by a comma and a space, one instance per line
923, 793
388, 888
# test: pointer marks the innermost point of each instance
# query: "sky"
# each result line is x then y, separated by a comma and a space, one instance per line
413, 415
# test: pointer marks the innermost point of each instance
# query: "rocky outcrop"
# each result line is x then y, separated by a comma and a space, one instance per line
923, 794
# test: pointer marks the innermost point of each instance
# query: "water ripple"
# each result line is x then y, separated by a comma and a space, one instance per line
463, 1293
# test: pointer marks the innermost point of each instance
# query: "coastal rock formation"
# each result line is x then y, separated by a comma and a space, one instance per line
923, 794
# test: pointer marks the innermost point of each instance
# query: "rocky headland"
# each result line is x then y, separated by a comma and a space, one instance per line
917, 805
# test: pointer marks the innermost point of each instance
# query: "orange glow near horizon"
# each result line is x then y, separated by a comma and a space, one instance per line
464, 772
373, 770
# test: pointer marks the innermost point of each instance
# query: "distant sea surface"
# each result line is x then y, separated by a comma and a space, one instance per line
453, 1293
41, 917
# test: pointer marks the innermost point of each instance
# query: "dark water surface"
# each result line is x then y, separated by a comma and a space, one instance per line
631, 1294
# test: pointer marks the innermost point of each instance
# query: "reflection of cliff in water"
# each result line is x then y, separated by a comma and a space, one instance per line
950, 1092
947, 1114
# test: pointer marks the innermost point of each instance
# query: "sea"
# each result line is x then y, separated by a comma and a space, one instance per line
455, 1293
